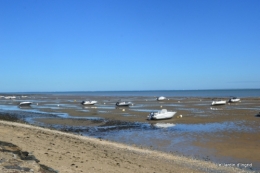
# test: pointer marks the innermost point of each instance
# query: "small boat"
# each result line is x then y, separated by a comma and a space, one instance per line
25, 103
161, 98
88, 102
162, 114
234, 100
10, 97
123, 103
218, 102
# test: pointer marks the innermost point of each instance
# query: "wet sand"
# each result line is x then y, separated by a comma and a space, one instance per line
70, 153
237, 144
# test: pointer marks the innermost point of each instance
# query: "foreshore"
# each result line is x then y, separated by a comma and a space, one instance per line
206, 139
65, 152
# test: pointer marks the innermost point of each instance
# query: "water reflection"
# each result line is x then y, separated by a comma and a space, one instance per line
215, 108
163, 125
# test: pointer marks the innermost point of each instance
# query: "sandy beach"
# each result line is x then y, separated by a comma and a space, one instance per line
213, 139
70, 153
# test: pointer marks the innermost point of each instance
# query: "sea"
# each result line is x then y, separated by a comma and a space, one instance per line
167, 93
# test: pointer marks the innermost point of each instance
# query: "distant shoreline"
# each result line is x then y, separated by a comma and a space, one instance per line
142, 90
154, 93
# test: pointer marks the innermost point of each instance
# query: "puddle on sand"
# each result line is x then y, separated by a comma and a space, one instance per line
167, 137
9, 107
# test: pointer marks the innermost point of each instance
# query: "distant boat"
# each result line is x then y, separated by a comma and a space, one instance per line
88, 102
234, 100
10, 97
162, 114
123, 103
25, 103
218, 102
161, 98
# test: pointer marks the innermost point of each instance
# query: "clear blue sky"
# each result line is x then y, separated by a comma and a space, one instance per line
93, 45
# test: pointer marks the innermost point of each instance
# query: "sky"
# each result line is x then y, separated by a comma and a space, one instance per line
108, 45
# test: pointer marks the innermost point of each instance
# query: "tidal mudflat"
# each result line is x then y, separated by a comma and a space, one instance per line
225, 135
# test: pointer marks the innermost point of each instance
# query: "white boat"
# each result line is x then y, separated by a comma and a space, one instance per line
161, 98
123, 103
88, 102
10, 97
162, 114
25, 103
234, 100
218, 102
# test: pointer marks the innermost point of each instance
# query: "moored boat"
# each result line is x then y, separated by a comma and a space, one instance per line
25, 103
123, 103
218, 102
161, 98
88, 102
10, 97
162, 114
234, 100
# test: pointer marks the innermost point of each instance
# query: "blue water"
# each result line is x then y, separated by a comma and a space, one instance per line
166, 93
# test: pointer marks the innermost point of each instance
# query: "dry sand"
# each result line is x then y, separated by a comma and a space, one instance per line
70, 153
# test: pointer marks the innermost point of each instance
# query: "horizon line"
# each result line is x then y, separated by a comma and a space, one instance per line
127, 90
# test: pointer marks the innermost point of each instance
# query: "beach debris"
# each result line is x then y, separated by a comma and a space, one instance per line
161, 106
179, 101
123, 110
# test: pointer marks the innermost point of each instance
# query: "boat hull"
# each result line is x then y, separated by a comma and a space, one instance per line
25, 104
167, 115
123, 103
216, 103
234, 100
164, 114
161, 98
88, 102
